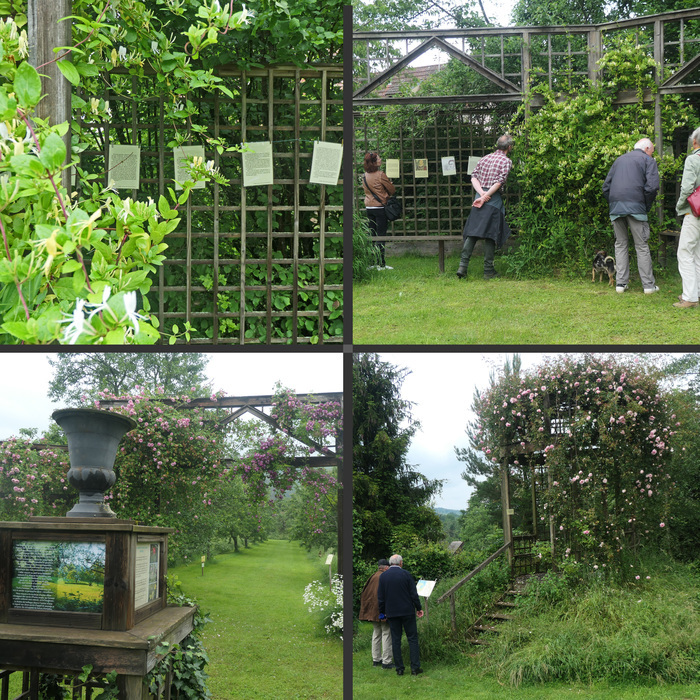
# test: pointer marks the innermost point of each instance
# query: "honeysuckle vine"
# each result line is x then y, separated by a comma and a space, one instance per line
602, 429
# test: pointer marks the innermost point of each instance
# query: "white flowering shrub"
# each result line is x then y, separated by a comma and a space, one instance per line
318, 598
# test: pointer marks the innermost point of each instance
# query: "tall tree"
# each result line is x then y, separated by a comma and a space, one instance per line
78, 375
389, 495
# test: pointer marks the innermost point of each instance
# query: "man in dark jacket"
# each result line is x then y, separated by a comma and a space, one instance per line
398, 601
369, 612
630, 188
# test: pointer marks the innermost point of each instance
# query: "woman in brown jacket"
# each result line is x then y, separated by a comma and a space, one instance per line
369, 611
378, 188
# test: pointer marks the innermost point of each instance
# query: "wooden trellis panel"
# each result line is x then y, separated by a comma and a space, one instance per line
246, 265
437, 205
561, 57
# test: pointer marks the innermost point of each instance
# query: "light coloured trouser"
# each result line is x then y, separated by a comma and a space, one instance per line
640, 236
689, 257
381, 643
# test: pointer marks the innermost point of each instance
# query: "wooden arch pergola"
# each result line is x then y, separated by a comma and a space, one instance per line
238, 406
510, 59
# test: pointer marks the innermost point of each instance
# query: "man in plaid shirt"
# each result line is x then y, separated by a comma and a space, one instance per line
488, 223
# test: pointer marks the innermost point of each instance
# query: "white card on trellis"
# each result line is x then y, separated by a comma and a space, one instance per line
257, 164
182, 154
473, 162
124, 167
449, 166
325, 163
425, 588
393, 167
420, 167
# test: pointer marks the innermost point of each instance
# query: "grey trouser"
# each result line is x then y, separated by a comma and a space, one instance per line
489, 253
640, 236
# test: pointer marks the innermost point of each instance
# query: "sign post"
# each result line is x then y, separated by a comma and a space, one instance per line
425, 588
329, 564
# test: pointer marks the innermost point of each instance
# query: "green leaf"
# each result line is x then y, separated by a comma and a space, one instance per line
53, 152
70, 72
27, 85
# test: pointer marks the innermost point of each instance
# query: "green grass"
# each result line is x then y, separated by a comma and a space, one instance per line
415, 304
599, 641
262, 642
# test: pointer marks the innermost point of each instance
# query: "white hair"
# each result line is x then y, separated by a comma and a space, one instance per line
644, 143
395, 559
695, 136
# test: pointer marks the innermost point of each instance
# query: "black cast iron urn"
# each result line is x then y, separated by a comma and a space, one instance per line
93, 438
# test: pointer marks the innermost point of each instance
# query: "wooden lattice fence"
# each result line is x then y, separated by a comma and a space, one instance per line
496, 67
246, 264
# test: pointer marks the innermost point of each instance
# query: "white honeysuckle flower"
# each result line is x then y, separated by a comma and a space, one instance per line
13, 29
122, 53
103, 306
215, 6
130, 307
210, 166
77, 324
245, 14
154, 47
23, 48
126, 211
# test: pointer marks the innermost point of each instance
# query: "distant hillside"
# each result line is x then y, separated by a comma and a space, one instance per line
446, 511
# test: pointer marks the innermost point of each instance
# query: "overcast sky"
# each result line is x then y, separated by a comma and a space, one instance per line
25, 378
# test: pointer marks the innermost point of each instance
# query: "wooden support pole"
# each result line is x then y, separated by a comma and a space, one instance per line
45, 32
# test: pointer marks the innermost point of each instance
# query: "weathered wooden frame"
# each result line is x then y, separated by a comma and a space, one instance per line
664, 34
234, 289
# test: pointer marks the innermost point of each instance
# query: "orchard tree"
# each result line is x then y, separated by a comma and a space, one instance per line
79, 377
389, 495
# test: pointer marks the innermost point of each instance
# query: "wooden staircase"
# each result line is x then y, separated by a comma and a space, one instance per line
500, 612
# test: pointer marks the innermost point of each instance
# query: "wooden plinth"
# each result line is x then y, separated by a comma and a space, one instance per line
130, 653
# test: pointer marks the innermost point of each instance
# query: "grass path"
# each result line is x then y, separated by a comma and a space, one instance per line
415, 304
262, 642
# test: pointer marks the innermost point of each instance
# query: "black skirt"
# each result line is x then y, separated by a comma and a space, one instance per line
487, 221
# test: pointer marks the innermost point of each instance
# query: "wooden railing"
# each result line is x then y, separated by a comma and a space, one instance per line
451, 593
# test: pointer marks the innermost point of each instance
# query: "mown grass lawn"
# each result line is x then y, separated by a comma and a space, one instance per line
414, 304
262, 642
467, 681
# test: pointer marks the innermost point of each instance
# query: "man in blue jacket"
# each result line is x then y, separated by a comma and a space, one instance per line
630, 188
398, 601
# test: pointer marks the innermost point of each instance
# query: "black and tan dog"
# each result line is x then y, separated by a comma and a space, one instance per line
603, 263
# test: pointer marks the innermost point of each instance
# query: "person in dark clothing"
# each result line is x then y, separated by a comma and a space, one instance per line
486, 221
369, 611
378, 188
630, 188
399, 603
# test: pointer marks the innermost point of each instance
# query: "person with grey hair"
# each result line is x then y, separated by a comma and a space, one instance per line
630, 189
369, 612
399, 603
688, 254
486, 221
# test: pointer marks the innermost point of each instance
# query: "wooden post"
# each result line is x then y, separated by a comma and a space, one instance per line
45, 32
132, 688
505, 505
452, 611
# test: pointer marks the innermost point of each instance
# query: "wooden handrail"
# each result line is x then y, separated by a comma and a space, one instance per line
481, 566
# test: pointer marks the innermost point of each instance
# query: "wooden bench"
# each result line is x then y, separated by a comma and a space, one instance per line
423, 239
664, 238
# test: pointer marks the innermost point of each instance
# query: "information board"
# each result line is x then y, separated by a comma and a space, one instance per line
147, 573
58, 575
